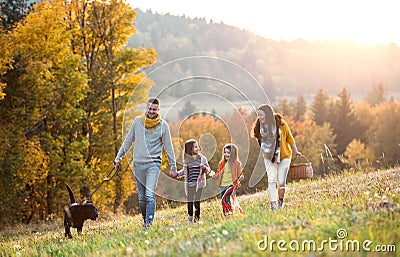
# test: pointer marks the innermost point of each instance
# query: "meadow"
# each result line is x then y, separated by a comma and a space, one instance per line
347, 214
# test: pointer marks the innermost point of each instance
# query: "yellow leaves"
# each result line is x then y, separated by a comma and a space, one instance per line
44, 33
358, 155
35, 162
2, 94
198, 126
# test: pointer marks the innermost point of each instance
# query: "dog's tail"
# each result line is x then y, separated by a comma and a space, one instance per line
71, 194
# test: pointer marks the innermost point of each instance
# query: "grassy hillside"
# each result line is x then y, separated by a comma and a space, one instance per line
338, 213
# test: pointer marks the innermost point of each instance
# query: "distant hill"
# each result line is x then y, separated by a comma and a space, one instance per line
283, 69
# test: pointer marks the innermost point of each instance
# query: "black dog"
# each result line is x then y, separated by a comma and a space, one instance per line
77, 213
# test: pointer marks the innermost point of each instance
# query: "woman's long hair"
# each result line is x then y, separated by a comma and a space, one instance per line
257, 126
233, 156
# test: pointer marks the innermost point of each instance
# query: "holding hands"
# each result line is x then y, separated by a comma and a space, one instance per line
173, 173
205, 168
211, 174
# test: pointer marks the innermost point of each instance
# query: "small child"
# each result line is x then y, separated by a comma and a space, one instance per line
229, 175
195, 168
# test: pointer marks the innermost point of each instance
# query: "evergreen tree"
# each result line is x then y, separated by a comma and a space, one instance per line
375, 95
284, 107
187, 110
319, 108
343, 121
299, 108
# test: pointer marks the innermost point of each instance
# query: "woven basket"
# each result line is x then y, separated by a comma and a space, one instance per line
301, 170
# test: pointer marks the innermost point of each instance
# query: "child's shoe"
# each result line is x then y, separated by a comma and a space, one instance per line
280, 204
190, 219
274, 206
196, 219
227, 213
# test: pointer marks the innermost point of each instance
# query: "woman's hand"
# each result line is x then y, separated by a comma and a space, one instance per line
296, 151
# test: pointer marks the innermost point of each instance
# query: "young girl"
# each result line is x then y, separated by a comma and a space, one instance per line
195, 168
277, 145
229, 175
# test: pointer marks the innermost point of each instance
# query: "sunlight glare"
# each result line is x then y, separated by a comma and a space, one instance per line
368, 22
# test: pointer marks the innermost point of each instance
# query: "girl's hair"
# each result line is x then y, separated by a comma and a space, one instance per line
264, 108
188, 151
234, 153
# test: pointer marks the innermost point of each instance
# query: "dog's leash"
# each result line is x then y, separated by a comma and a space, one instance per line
115, 169
107, 178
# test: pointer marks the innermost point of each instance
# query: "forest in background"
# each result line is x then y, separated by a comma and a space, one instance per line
65, 85
284, 69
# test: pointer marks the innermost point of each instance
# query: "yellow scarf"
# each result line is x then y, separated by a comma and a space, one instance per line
150, 124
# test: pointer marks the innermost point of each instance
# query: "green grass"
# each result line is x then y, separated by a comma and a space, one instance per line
366, 205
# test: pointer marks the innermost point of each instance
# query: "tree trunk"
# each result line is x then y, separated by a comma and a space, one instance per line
118, 185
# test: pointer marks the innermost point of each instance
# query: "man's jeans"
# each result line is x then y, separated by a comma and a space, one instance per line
146, 176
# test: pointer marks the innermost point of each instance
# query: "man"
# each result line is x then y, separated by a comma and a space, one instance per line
150, 133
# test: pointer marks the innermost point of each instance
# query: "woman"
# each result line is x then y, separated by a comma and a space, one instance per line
277, 144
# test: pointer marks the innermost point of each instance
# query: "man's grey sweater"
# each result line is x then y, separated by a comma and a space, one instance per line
148, 145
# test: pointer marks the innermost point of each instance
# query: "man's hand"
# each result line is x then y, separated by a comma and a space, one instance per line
173, 173
116, 163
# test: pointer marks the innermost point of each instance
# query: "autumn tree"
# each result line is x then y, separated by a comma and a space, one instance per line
197, 126
364, 116
100, 31
5, 59
311, 139
240, 125
67, 110
42, 148
384, 133
358, 155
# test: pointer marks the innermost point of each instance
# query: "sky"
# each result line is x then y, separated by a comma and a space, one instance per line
368, 22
